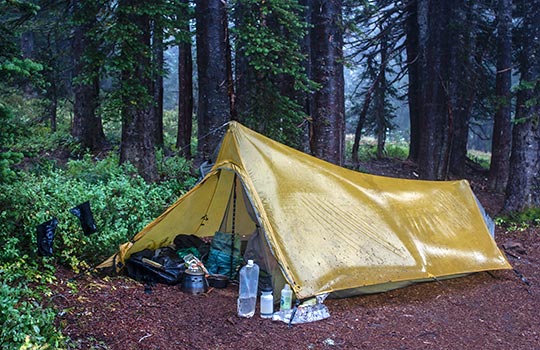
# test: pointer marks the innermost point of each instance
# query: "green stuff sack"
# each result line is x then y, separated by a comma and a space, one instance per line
224, 257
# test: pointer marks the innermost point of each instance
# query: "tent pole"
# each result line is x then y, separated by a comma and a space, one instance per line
233, 224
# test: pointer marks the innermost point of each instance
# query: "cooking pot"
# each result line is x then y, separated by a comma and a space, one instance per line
218, 281
194, 282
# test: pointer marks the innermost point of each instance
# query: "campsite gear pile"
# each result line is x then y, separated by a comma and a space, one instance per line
310, 310
172, 265
160, 266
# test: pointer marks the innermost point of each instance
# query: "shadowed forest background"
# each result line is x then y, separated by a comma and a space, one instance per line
120, 102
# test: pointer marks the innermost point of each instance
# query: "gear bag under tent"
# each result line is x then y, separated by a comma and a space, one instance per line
323, 228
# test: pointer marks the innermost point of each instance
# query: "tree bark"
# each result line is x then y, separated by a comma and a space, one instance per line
214, 102
412, 47
28, 51
502, 128
459, 91
439, 87
306, 100
432, 107
524, 178
328, 133
380, 97
185, 89
138, 135
157, 48
361, 122
87, 125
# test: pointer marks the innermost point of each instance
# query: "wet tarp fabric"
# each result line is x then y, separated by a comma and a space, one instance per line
328, 228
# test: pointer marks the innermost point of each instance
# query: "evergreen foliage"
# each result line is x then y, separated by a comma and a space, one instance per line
269, 35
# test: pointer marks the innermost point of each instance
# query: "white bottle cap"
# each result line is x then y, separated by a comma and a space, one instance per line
287, 287
250, 262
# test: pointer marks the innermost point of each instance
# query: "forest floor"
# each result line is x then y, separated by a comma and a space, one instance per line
496, 310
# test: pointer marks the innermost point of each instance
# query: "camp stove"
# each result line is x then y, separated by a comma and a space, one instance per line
194, 281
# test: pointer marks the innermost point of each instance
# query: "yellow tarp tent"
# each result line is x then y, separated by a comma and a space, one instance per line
323, 228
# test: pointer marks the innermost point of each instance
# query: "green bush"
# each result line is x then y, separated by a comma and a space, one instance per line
25, 322
8, 158
121, 201
367, 149
519, 221
483, 159
396, 150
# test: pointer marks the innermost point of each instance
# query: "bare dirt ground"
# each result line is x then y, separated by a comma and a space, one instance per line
496, 310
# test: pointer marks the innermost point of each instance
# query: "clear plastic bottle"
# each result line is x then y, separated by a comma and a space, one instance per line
267, 303
286, 298
247, 298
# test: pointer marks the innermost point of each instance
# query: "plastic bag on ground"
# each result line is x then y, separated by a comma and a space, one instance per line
303, 314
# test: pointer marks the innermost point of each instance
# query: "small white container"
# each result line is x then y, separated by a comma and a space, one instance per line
286, 298
267, 303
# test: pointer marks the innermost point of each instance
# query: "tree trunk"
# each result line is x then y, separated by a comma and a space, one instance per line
185, 89
157, 49
502, 128
306, 100
52, 107
51, 92
524, 178
327, 140
436, 88
413, 94
28, 51
137, 145
361, 122
87, 125
462, 80
213, 74
380, 97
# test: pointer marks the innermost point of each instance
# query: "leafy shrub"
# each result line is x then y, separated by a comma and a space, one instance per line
25, 322
396, 150
121, 201
483, 159
8, 131
519, 221
367, 149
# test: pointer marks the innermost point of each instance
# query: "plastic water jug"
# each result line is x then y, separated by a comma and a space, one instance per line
267, 303
247, 298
